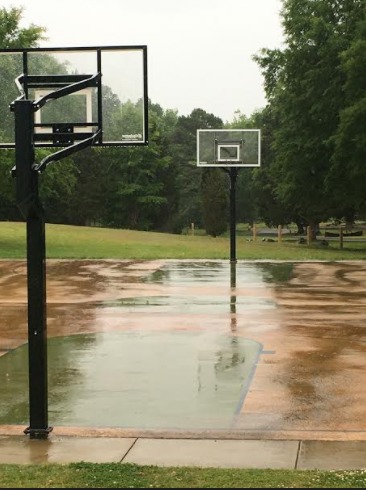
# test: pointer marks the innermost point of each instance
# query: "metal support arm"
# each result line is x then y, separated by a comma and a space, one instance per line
65, 152
69, 89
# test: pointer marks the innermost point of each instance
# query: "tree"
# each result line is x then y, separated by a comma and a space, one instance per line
246, 202
85, 204
188, 175
347, 174
305, 83
137, 178
166, 121
57, 187
214, 201
11, 36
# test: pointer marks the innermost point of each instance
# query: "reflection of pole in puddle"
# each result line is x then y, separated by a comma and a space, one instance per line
233, 324
233, 274
39, 451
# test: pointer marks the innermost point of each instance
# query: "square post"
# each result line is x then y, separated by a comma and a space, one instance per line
31, 208
233, 172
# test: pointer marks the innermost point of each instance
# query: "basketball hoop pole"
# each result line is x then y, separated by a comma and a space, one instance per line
229, 149
29, 204
233, 176
31, 208
66, 128
233, 173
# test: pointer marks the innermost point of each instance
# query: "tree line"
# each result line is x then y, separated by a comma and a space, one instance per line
312, 129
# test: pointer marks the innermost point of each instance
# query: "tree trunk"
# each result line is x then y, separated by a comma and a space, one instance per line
314, 231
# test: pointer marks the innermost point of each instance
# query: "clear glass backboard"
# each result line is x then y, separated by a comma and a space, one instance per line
228, 148
116, 102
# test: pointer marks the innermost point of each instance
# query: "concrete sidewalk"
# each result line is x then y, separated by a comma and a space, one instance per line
218, 453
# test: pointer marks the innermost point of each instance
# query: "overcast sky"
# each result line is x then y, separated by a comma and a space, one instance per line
199, 51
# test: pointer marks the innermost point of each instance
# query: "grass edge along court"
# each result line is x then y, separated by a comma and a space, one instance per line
82, 242
116, 475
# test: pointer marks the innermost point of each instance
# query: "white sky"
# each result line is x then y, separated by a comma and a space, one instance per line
199, 51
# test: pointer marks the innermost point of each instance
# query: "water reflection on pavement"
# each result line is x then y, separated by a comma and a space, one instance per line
192, 344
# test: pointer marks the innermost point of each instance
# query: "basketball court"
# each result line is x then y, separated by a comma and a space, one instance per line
240, 349
268, 350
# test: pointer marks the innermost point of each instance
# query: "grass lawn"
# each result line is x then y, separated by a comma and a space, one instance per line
63, 241
86, 242
116, 475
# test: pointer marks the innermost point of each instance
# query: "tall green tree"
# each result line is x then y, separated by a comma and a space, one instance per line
137, 178
348, 172
188, 175
164, 219
214, 201
246, 203
57, 187
12, 35
305, 83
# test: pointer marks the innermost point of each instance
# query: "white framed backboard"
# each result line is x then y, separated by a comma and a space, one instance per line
228, 147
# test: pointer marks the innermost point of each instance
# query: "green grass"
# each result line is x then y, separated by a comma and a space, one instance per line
115, 475
85, 242
64, 241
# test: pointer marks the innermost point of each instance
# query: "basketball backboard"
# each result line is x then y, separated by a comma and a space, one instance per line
116, 102
228, 148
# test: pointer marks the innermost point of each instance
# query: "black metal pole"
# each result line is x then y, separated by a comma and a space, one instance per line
37, 327
31, 208
233, 172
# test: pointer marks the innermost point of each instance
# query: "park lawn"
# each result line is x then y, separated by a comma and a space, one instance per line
117, 475
64, 241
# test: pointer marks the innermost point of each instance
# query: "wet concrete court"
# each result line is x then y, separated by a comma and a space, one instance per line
267, 350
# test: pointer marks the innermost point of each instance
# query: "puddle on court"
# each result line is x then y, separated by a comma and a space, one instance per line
162, 377
206, 277
179, 380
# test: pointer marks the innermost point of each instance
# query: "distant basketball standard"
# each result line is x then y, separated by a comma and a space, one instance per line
228, 148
